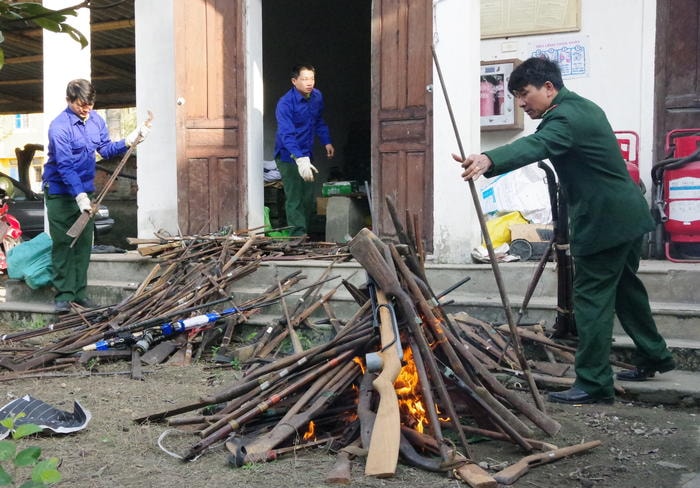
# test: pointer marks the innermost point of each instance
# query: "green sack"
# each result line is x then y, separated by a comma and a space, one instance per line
31, 261
268, 226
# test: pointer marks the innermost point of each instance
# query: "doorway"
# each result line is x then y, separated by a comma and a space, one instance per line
335, 37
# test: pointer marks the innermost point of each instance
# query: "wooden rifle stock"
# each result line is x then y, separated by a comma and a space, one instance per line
383, 453
512, 473
79, 225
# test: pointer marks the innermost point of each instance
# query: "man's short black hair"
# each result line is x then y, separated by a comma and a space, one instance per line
535, 72
80, 90
300, 67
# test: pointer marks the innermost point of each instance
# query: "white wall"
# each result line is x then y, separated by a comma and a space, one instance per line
155, 91
620, 37
621, 41
456, 40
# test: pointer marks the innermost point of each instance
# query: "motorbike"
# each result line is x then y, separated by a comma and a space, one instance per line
10, 230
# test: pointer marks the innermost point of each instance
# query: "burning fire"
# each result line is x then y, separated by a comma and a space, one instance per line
310, 434
359, 362
410, 397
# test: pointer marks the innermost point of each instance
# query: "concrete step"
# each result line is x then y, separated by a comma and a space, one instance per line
124, 267
675, 295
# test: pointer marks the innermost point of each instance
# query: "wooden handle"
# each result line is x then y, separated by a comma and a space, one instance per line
78, 226
383, 453
512, 473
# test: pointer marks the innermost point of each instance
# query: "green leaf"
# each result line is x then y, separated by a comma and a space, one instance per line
7, 450
48, 24
5, 478
46, 471
26, 429
28, 456
8, 423
75, 34
29, 9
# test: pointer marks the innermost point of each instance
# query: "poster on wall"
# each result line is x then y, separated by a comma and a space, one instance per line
571, 54
497, 108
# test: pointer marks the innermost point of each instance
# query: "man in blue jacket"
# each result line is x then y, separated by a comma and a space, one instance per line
608, 217
68, 182
299, 116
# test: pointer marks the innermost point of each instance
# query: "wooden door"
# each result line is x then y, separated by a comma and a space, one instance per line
210, 79
402, 113
677, 69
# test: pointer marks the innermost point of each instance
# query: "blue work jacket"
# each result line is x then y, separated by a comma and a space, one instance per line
70, 168
299, 120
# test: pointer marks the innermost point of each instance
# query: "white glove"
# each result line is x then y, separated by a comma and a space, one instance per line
83, 202
306, 169
134, 134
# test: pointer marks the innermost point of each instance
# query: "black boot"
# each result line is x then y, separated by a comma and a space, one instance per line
576, 396
643, 373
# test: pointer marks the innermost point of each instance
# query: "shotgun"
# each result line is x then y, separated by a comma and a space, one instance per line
79, 225
512, 473
383, 453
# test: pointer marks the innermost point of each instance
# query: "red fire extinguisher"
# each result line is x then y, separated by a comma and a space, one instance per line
676, 198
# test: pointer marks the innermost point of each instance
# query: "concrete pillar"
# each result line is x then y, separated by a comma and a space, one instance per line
64, 60
254, 111
155, 91
457, 42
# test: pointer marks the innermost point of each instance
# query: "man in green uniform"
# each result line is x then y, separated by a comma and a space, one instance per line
608, 217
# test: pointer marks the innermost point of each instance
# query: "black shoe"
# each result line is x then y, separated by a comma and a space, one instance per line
576, 396
62, 307
643, 373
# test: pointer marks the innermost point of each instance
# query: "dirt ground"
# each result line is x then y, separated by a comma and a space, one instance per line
643, 445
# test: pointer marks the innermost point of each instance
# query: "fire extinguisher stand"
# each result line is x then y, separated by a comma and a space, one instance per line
676, 198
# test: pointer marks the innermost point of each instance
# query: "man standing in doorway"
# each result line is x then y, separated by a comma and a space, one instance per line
299, 116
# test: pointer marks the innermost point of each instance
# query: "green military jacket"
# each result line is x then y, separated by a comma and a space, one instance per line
606, 208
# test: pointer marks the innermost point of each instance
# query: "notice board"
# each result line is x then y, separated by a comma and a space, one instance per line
509, 18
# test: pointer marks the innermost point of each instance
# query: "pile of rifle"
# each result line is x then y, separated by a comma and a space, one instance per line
331, 395
192, 276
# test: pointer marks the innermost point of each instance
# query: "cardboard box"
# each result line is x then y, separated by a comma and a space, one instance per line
531, 232
321, 205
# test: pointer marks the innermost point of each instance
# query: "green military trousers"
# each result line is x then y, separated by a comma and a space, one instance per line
298, 198
605, 284
70, 264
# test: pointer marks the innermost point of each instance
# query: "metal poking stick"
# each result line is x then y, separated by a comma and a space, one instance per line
492, 255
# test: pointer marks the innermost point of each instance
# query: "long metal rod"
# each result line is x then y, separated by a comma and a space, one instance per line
492, 255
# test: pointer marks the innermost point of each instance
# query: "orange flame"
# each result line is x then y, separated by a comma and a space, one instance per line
310, 434
359, 361
409, 394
